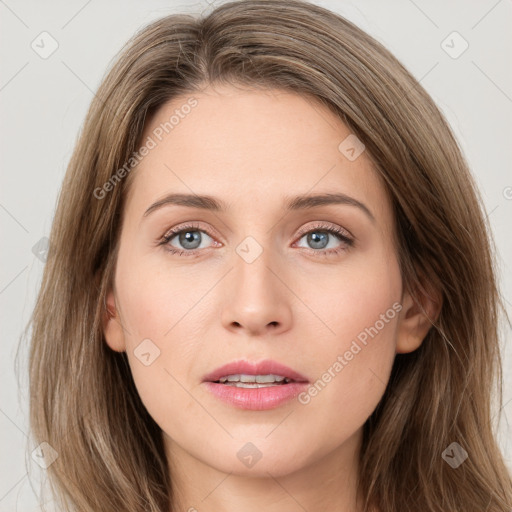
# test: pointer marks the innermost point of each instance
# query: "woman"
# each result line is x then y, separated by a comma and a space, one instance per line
270, 282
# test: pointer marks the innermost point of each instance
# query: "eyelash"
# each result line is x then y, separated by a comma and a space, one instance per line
339, 233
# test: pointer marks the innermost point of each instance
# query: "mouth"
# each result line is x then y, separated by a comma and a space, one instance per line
267, 372
255, 386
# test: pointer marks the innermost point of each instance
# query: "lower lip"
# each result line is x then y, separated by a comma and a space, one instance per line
256, 399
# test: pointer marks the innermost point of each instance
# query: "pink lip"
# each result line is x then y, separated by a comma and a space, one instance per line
257, 399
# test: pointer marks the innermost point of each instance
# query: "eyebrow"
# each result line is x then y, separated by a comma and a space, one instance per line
302, 202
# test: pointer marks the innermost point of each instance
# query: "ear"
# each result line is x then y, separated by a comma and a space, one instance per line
112, 328
416, 319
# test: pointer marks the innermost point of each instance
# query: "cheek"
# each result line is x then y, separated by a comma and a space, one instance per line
144, 308
352, 297
154, 298
354, 355
158, 314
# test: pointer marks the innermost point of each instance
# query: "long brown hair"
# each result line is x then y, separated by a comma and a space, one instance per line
83, 401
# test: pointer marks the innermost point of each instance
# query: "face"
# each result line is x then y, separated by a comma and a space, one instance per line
273, 285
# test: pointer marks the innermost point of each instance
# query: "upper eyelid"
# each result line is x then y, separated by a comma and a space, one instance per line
326, 226
178, 229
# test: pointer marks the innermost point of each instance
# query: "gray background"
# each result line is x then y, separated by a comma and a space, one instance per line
43, 102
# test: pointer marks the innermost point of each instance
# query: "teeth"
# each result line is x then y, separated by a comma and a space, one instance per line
252, 385
254, 379
269, 378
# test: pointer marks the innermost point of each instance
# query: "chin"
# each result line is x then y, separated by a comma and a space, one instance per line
258, 459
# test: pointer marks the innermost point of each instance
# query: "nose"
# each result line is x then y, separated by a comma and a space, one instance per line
257, 297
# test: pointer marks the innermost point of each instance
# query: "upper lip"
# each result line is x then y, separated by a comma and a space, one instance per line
266, 367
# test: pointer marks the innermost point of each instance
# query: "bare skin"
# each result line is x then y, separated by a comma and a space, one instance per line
293, 304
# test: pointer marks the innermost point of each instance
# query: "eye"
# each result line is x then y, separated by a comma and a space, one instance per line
189, 239
320, 236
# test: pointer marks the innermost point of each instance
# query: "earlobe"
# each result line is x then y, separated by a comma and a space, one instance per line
112, 329
417, 317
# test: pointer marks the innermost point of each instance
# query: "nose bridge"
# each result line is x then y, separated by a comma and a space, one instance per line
253, 261
258, 298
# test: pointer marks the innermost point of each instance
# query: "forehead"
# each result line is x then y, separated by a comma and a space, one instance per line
250, 147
